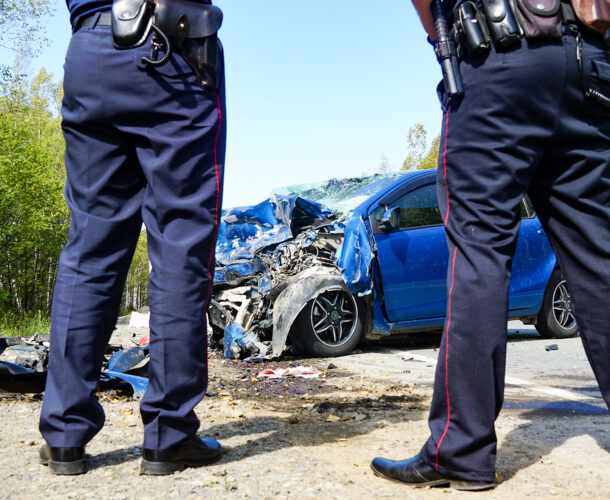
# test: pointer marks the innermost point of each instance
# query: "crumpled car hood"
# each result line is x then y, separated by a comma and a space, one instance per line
244, 231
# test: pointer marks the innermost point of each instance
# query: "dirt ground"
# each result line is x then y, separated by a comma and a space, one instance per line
298, 438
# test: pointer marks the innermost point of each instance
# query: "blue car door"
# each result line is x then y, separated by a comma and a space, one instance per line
413, 259
533, 264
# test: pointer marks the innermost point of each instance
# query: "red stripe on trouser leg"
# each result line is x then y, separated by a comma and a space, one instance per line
447, 356
216, 214
449, 298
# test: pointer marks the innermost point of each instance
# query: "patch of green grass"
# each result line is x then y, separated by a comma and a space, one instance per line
17, 325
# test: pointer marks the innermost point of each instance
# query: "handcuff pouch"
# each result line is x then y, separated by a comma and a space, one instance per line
131, 22
501, 22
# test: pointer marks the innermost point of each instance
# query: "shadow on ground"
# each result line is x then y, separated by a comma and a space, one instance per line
527, 443
352, 417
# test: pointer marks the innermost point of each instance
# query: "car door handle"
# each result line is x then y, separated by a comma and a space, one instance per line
541, 231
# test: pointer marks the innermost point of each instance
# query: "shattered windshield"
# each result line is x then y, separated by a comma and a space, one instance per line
341, 195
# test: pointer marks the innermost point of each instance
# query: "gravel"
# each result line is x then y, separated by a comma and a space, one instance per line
297, 438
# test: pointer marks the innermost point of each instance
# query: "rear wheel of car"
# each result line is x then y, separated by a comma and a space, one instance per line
329, 325
556, 318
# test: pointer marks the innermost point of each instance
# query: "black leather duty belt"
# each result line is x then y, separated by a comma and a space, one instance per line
93, 20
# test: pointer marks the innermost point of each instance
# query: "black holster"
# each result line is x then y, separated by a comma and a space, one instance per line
193, 32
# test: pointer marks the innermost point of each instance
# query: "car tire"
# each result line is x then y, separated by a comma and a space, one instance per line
329, 325
556, 319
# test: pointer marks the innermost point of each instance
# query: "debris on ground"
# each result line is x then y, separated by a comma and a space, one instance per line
297, 371
23, 365
18, 379
139, 320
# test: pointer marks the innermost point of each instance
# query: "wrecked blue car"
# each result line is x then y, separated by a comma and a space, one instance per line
323, 266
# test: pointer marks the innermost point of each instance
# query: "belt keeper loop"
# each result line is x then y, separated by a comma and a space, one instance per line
77, 24
95, 20
567, 13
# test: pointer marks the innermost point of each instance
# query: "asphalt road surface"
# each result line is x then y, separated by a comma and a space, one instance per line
551, 374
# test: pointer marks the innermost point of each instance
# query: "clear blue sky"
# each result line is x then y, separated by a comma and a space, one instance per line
315, 89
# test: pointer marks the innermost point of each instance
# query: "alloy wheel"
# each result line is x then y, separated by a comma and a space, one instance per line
334, 317
562, 307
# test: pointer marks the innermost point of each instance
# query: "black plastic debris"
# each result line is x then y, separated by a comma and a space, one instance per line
16, 378
125, 371
551, 347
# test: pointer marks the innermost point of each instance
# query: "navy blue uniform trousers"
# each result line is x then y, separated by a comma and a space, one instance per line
142, 146
523, 125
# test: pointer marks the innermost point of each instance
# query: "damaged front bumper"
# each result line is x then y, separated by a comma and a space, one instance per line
272, 259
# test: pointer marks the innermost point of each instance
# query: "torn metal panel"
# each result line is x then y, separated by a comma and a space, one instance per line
127, 360
293, 299
380, 326
137, 385
233, 340
23, 369
239, 343
244, 231
253, 345
234, 274
355, 257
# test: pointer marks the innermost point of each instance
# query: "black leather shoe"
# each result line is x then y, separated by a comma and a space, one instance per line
415, 472
63, 461
191, 452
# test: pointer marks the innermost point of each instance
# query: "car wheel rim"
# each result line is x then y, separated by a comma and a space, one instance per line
333, 317
562, 307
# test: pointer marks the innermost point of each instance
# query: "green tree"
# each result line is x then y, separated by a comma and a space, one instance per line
136, 286
419, 155
22, 23
430, 159
33, 215
416, 146
22, 31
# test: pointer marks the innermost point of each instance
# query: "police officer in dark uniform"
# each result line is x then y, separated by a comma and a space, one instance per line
145, 143
533, 118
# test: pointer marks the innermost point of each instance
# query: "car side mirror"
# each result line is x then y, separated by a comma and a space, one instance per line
390, 221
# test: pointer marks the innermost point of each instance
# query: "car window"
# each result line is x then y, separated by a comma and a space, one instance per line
417, 208
420, 208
